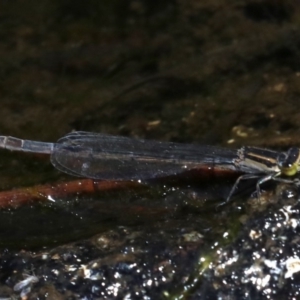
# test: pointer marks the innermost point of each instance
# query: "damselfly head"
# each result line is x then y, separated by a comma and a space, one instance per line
289, 162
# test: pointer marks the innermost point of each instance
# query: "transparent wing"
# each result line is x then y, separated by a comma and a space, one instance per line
100, 156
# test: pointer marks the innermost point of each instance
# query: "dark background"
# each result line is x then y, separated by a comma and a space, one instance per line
210, 72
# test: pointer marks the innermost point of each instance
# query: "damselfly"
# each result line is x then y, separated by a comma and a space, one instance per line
106, 157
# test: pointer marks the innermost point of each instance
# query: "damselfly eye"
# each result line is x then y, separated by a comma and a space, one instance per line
289, 158
281, 160
292, 157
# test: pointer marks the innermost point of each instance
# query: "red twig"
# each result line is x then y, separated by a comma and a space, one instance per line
16, 197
